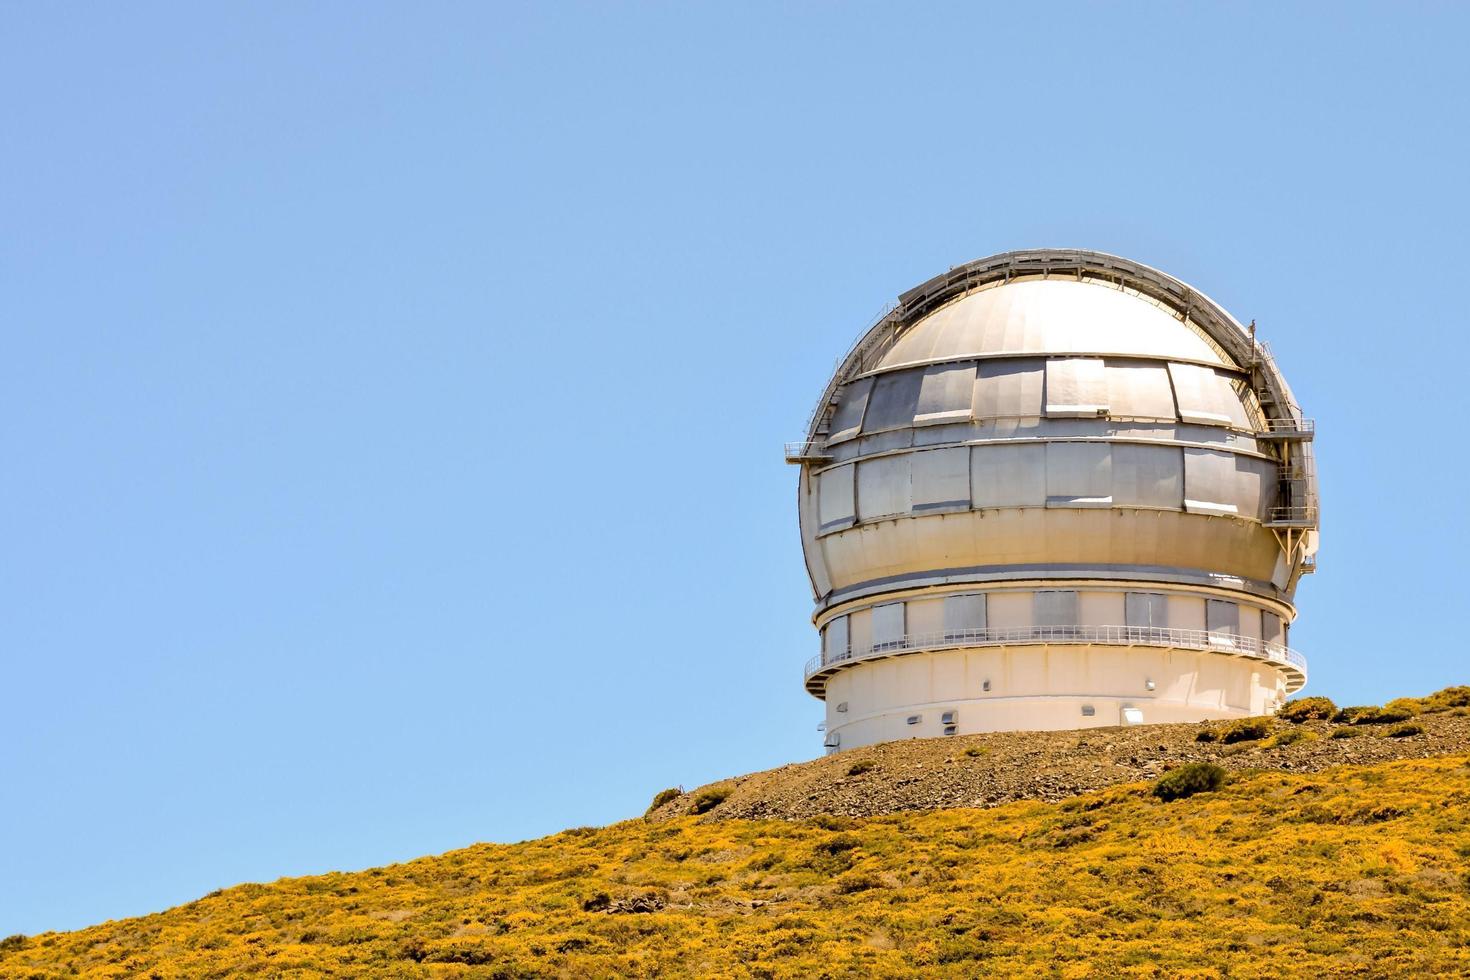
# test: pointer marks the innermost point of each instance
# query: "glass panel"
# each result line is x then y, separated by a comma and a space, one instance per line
1222, 616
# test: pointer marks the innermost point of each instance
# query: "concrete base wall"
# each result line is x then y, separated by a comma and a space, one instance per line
1041, 688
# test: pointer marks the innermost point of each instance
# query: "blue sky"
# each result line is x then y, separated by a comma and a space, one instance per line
392, 396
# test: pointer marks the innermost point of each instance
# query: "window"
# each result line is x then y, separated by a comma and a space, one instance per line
1222, 616
1147, 614
1271, 629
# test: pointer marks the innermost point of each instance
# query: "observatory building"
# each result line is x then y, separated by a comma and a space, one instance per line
1053, 489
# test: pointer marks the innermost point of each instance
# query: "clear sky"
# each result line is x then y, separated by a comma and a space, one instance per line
392, 396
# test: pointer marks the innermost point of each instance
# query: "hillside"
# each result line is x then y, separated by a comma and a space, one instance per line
1349, 870
986, 770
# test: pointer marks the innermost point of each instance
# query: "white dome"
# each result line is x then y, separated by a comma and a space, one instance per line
1053, 428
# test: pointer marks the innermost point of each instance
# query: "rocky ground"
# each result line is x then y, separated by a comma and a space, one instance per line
987, 770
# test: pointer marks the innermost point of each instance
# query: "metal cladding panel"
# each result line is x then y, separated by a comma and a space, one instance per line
1255, 485
860, 631
852, 402
884, 487
834, 639
894, 400
835, 498
1222, 616
1076, 387
1186, 612
888, 626
936, 435
1100, 608
1250, 622
924, 616
1079, 474
1011, 475
941, 479
1037, 535
946, 394
1205, 396
1147, 609
1009, 610
1053, 316
1140, 390
810, 523
964, 612
1148, 476
1055, 607
1009, 389
1209, 482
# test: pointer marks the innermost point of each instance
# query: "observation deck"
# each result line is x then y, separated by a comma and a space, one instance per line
1292, 663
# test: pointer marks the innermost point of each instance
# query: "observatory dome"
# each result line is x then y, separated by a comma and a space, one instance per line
1053, 489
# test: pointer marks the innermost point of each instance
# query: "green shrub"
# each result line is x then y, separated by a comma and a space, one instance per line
1307, 709
1291, 735
976, 752
1449, 698
1246, 730
1404, 731
707, 799
858, 768
663, 796
1189, 779
1367, 714
12, 942
1207, 735
1345, 733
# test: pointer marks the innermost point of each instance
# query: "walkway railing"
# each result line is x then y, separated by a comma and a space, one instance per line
1229, 643
807, 451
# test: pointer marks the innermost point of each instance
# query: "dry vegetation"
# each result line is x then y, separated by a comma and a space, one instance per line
1359, 871
1251, 856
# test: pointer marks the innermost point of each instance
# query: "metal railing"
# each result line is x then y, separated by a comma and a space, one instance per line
1289, 427
1156, 636
807, 451
1293, 515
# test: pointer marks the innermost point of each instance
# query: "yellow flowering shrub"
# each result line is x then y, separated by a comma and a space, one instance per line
1358, 871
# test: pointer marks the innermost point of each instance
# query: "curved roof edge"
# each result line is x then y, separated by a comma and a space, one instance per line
1192, 306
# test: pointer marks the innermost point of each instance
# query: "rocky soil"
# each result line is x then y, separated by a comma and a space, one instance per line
987, 770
